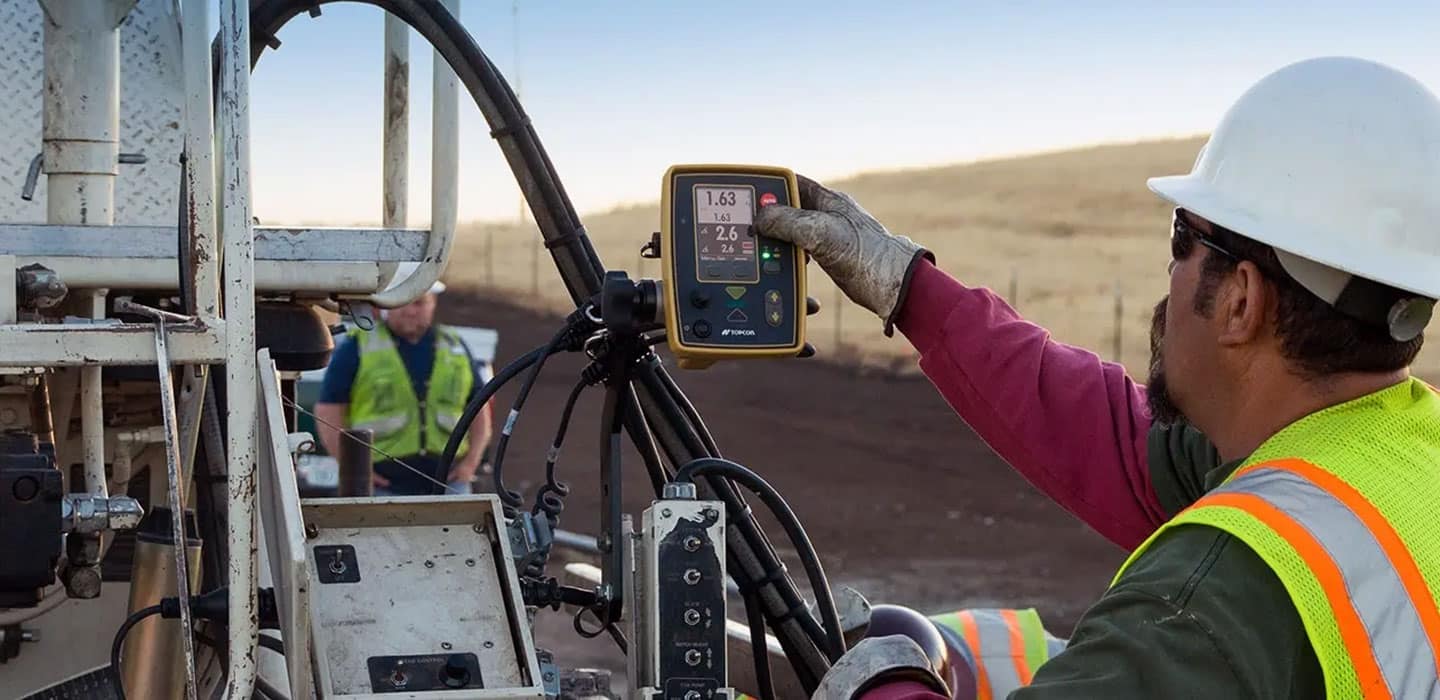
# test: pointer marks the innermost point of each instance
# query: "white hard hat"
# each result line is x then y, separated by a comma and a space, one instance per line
404, 270
1335, 163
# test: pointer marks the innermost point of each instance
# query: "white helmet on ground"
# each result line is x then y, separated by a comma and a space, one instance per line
1335, 163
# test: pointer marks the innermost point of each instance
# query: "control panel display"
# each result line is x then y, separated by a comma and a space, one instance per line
730, 291
725, 239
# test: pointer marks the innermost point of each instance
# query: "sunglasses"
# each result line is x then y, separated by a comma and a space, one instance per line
1184, 235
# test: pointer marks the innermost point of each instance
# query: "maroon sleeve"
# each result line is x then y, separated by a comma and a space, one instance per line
903, 690
1073, 425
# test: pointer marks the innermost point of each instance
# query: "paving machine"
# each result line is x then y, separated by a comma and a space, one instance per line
153, 543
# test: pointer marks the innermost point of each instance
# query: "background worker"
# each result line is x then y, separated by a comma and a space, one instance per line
1278, 475
408, 380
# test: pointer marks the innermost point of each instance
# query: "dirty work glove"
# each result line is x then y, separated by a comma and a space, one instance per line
869, 264
875, 662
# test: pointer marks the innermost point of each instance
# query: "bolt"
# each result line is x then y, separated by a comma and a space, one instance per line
711, 513
478, 528
311, 531
692, 576
678, 490
692, 543
429, 564
489, 645
664, 512
445, 645
469, 562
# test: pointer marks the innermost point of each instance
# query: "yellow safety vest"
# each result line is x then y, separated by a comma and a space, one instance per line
383, 399
1344, 506
1005, 647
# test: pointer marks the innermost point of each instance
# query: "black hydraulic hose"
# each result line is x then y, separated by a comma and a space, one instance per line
755, 615
644, 441
692, 415
119, 643
513, 498
477, 402
824, 600
550, 498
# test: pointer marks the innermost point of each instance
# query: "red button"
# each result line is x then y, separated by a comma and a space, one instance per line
767, 199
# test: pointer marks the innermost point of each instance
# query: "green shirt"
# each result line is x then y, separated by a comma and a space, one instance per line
1197, 615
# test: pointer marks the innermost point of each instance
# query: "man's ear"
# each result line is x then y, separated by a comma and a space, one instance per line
1242, 306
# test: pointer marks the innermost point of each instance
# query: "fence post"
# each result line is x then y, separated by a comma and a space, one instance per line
534, 266
490, 257
355, 464
1119, 321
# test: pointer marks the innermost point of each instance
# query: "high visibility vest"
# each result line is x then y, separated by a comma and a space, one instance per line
383, 398
1003, 647
1343, 505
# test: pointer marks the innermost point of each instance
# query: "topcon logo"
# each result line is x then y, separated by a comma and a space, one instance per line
738, 331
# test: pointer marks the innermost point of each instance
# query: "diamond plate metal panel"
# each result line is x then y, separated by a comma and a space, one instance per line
150, 111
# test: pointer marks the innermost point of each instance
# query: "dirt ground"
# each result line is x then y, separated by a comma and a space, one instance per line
901, 499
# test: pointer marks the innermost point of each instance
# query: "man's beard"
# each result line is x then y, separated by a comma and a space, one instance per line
1157, 391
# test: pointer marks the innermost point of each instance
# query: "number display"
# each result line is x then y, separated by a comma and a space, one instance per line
723, 227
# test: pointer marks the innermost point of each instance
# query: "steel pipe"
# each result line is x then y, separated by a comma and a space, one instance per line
240, 361
444, 183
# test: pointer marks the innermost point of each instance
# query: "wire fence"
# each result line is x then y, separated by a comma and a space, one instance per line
1111, 318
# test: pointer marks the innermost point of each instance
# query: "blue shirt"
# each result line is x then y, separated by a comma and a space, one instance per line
419, 360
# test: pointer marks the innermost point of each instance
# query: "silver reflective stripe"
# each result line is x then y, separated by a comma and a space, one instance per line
447, 421
994, 652
1402, 650
374, 341
382, 427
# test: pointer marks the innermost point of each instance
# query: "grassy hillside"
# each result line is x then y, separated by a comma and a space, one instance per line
1058, 231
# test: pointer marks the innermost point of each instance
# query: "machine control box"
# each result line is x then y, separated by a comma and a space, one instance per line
416, 596
729, 291
680, 599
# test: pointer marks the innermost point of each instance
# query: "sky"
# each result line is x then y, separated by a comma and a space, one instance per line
618, 91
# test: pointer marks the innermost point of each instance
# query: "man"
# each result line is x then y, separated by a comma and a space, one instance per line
408, 380
1278, 477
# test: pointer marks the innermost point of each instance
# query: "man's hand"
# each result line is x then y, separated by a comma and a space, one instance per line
464, 470
379, 481
868, 263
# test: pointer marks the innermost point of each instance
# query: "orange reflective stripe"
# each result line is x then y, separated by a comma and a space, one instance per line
1017, 646
1327, 574
972, 637
1384, 532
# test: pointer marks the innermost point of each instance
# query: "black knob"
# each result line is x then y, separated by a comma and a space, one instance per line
699, 299
456, 673
702, 329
